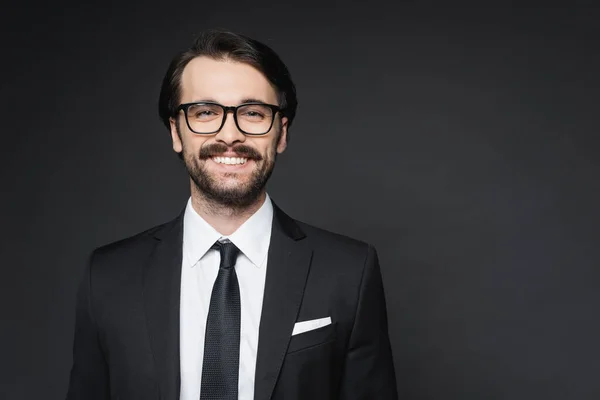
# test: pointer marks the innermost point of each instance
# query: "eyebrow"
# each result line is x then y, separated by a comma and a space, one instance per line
244, 101
252, 100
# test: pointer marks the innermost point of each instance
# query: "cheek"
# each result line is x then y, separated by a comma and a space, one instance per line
271, 148
269, 152
192, 144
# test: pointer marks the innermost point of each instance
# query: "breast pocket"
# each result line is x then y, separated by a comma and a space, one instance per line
312, 338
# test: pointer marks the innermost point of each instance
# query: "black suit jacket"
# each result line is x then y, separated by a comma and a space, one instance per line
126, 343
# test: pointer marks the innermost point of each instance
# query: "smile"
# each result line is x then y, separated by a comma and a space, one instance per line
230, 160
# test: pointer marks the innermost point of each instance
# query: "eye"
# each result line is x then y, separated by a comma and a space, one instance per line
252, 113
201, 113
255, 112
204, 112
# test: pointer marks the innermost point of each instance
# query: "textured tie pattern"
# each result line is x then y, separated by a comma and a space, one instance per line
220, 367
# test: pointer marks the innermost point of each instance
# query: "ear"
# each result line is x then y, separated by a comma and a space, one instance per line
175, 137
282, 142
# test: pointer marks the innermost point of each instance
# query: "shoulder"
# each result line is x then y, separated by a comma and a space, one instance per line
133, 247
328, 243
339, 260
336, 244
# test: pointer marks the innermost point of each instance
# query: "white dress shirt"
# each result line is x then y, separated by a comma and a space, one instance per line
200, 266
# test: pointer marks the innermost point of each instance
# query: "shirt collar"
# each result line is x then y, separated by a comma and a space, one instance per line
252, 237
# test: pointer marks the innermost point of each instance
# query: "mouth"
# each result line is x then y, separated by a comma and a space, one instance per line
231, 164
230, 160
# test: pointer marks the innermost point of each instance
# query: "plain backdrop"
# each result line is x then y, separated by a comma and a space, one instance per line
461, 141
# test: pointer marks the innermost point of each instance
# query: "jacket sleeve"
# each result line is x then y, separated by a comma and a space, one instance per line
369, 368
89, 373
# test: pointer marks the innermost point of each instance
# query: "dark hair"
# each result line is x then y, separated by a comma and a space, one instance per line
221, 44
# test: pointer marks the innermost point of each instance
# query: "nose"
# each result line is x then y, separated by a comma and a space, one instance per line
229, 133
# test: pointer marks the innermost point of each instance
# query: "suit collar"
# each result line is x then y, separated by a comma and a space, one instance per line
172, 227
285, 224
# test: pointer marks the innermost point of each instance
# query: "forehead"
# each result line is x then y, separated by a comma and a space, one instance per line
225, 81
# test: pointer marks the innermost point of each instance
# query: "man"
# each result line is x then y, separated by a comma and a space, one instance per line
233, 299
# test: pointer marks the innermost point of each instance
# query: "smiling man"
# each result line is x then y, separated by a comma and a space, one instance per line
233, 299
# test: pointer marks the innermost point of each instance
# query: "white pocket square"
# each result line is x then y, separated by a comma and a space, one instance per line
305, 326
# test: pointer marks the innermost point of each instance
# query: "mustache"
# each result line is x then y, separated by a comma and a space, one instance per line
241, 150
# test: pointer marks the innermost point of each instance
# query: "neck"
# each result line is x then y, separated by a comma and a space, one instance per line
224, 219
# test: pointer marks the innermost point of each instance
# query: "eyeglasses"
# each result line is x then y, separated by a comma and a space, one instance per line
206, 118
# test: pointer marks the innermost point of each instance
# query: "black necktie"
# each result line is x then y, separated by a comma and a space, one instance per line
220, 367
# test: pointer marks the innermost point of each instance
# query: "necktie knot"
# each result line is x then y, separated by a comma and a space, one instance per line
229, 253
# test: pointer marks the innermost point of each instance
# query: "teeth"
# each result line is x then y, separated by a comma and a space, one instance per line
230, 160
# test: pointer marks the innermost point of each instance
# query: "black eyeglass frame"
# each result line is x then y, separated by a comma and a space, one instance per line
226, 109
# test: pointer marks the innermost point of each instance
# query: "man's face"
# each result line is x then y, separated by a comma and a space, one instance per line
228, 83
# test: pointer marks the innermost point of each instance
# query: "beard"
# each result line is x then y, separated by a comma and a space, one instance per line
239, 196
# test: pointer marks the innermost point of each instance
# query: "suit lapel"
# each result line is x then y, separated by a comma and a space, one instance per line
162, 280
288, 265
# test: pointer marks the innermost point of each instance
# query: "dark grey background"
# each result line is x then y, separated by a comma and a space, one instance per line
462, 142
